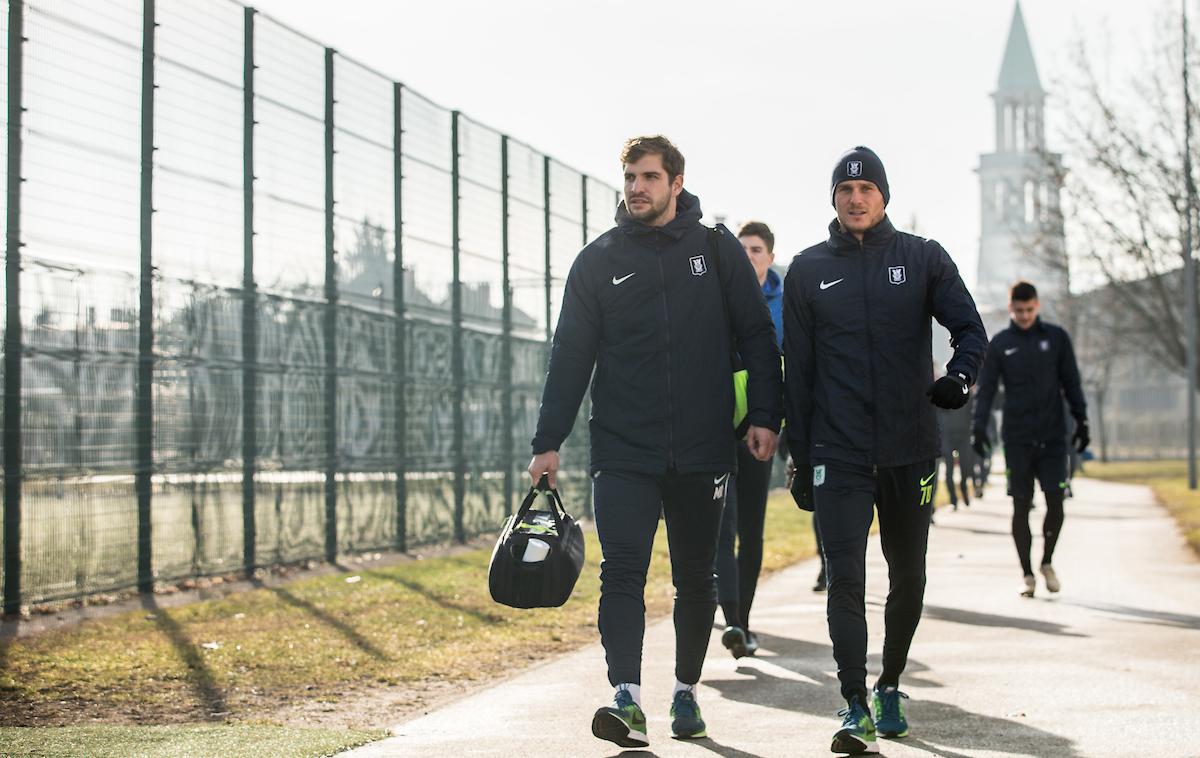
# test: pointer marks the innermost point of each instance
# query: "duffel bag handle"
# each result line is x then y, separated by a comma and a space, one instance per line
543, 488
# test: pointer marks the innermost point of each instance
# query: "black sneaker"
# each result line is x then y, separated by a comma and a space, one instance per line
686, 723
622, 722
751, 642
734, 640
821, 584
857, 733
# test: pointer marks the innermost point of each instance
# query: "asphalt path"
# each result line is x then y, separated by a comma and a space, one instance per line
1109, 666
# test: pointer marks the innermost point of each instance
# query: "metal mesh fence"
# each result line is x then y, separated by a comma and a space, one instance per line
268, 304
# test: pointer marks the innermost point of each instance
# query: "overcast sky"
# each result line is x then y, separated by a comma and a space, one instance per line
761, 97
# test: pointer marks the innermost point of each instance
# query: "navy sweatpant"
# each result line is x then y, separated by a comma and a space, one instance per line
846, 497
627, 509
743, 523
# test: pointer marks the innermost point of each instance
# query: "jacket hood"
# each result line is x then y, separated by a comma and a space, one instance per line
687, 215
773, 287
877, 236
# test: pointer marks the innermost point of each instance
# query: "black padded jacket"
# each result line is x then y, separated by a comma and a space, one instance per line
642, 305
857, 334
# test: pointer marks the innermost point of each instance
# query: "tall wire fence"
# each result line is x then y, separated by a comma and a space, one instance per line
263, 304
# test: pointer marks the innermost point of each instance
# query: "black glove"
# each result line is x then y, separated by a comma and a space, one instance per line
1082, 437
980, 443
950, 391
800, 482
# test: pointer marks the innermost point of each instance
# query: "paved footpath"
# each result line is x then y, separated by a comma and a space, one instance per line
1108, 667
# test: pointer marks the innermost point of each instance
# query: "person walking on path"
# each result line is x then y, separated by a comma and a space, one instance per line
861, 428
955, 424
1037, 363
746, 499
650, 308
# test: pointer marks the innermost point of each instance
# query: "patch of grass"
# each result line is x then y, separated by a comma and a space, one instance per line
191, 741
348, 650
1168, 480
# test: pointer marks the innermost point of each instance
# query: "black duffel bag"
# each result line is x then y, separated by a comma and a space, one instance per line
538, 556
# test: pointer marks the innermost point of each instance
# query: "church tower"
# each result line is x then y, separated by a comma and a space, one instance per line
1021, 222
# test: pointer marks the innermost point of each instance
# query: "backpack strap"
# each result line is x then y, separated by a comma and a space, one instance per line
714, 244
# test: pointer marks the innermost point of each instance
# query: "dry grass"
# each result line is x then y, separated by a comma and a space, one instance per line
1168, 479
347, 650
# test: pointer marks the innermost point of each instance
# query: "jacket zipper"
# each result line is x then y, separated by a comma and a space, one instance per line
862, 251
662, 276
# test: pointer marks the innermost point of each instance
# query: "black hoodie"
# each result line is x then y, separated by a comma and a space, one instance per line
857, 337
643, 306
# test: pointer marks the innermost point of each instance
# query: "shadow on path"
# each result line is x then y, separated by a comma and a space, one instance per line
1142, 615
199, 676
973, 530
450, 605
722, 750
347, 631
936, 723
976, 618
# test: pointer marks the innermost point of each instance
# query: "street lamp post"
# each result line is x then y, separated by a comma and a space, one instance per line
1189, 263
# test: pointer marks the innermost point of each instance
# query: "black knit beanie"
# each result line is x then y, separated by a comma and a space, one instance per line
860, 163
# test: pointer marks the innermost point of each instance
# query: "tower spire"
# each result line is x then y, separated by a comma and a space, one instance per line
1018, 72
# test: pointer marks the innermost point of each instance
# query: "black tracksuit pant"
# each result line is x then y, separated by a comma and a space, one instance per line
846, 496
627, 506
745, 516
1047, 463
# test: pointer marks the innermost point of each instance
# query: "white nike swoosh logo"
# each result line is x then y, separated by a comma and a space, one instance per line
720, 479
826, 285
618, 281
1011, 350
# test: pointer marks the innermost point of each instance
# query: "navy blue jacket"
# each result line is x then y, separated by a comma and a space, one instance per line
1038, 368
643, 306
857, 336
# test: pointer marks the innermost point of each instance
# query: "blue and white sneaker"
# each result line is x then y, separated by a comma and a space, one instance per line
857, 735
889, 712
686, 723
623, 722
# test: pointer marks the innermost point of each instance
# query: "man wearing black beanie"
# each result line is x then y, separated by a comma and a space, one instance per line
861, 420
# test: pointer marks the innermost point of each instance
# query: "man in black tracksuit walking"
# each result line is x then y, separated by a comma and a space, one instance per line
657, 306
1037, 363
861, 421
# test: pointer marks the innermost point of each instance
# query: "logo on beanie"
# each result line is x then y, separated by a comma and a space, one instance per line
854, 168
896, 274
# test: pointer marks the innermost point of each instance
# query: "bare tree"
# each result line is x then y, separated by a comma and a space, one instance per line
1125, 202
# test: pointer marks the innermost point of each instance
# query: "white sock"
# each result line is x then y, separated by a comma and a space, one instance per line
681, 687
634, 690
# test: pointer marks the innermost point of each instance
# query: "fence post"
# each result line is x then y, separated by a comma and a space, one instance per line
456, 339
401, 328
546, 221
587, 400
144, 413
12, 330
331, 313
249, 307
506, 346
583, 193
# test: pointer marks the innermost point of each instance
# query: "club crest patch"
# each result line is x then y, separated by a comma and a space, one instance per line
1044, 346
896, 274
854, 168
698, 266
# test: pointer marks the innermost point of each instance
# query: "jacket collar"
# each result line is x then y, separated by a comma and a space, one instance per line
876, 238
1038, 326
687, 216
